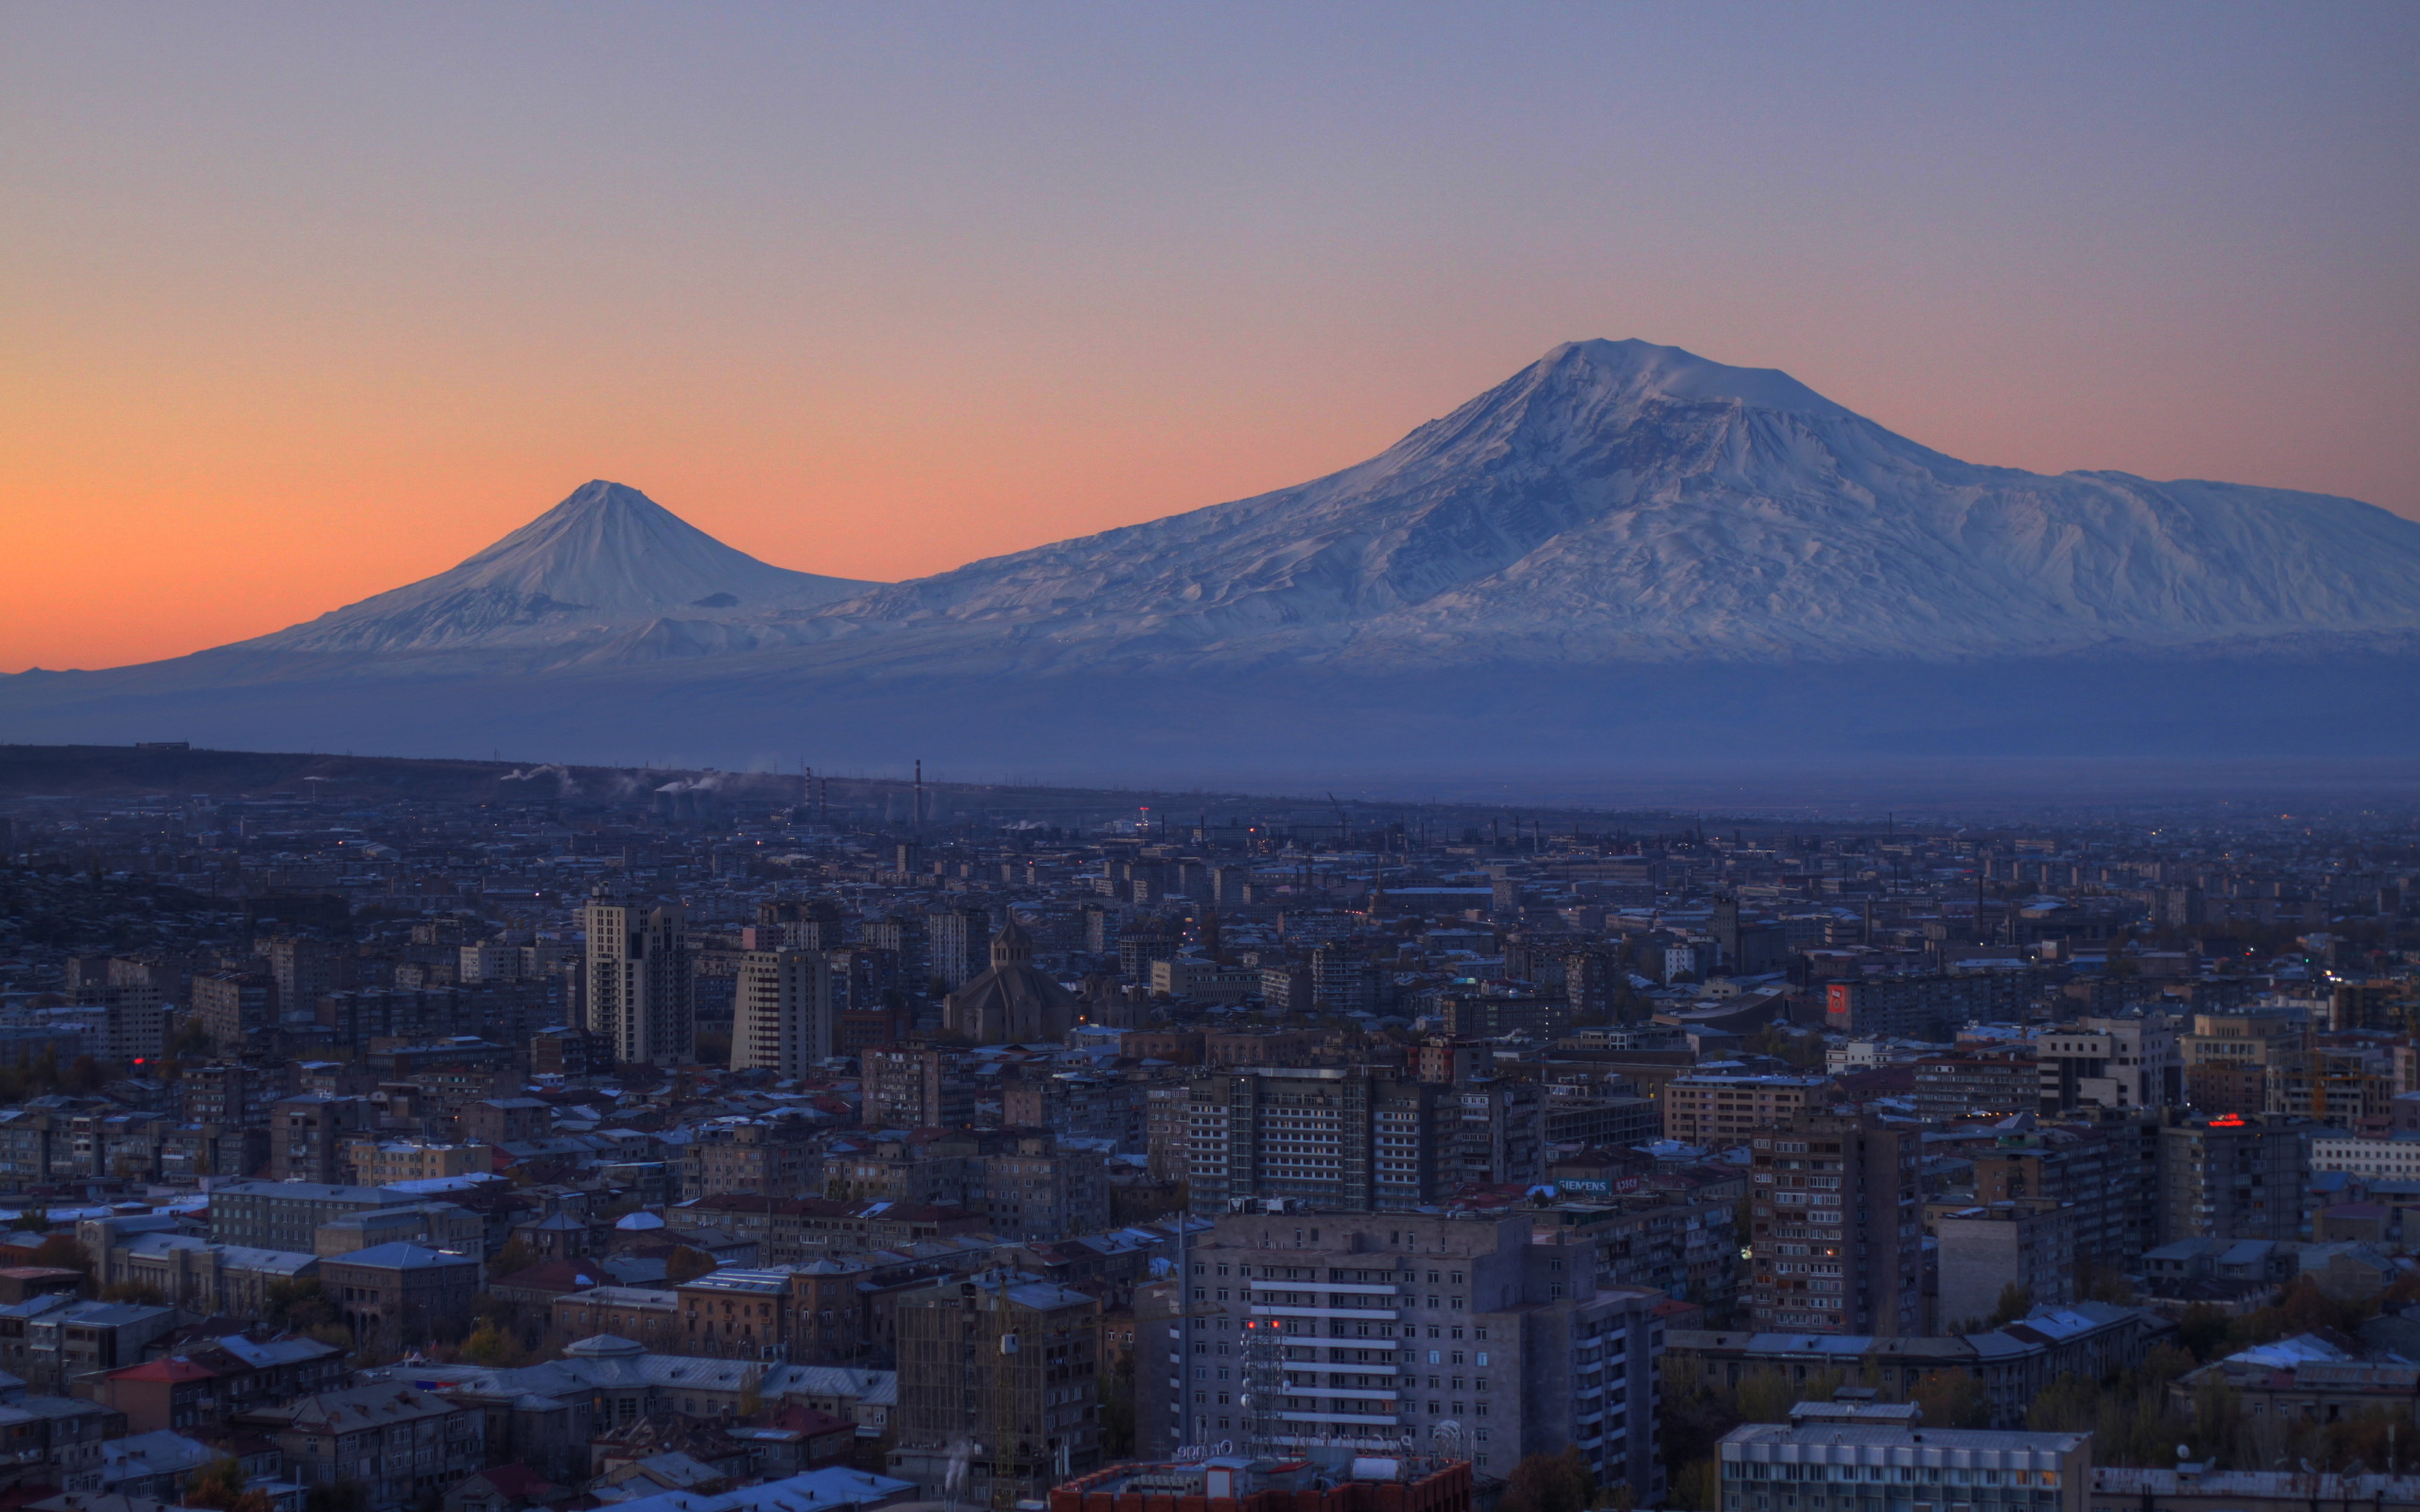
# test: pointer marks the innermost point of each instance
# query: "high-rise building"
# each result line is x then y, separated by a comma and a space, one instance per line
2104, 1173
2231, 1176
1833, 1227
304, 969
782, 1012
231, 1006
958, 941
307, 1136
997, 1385
2132, 1061
638, 980
911, 1086
1304, 1327
1356, 1137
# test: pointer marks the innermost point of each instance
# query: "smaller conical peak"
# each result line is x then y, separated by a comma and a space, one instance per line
1647, 370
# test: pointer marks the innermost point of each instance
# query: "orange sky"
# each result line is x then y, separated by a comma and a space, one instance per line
299, 304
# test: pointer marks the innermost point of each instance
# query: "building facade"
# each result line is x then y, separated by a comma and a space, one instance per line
1835, 1228
638, 980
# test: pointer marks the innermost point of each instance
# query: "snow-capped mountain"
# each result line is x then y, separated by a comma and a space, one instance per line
1624, 552
1619, 500
607, 564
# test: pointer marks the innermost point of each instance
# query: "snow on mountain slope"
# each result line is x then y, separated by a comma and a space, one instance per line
607, 562
1619, 500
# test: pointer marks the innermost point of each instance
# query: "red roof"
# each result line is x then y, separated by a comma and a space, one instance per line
169, 1369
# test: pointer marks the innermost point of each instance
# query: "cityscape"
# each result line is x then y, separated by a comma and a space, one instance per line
390, 1132
1076, 757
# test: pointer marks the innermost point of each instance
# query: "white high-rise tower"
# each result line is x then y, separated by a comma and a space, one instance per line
782, 1020
638, 979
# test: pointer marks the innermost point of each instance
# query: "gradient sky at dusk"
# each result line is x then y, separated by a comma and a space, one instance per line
300, 303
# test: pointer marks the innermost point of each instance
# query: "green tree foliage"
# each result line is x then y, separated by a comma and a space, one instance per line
1695, 1417
300, 1305
1952, 1398
1550, 1483
490, 1345
140, 1293
2015, 1302
2202, 1331
58, 1252
220, 1485
514, 1258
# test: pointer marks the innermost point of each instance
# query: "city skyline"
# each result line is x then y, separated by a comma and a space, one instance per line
310, 309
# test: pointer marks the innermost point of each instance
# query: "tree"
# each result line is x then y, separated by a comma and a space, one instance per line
2203, 1330
141, 1292
491, 1345
515, 1257
217, 1483
300, 1305
686, 1263
1550, 1483
1952, 1398
2015, 1302
58, 1252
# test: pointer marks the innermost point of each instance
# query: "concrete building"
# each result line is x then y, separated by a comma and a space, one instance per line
1296, 1330
1008, 1364
1833, 1227
395, 1293
399, 1444
1984, 1250
2105, 1173
2231, 1176
1724, 1110
2128, 1062
286, 1214
1844, 1457
1039, 1191
234, 1006
914, 1086
638, 980
783, 1014
307, 1135
1348, 1138
189, 1272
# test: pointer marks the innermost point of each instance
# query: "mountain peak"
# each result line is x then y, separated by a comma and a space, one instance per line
1645, 369
607, 558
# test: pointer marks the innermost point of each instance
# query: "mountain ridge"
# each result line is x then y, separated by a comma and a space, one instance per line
1622, 546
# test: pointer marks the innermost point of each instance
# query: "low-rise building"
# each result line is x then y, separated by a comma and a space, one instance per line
1849, 1455
399, 1444
2093, 1340
392, 1293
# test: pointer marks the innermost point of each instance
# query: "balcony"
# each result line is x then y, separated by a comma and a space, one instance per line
1372, 1314
1354, 1418
1357, 1393
1366, 1288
